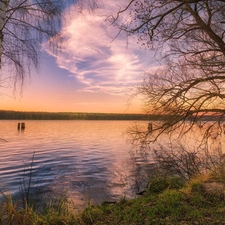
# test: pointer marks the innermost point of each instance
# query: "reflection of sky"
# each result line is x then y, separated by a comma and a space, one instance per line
92, 73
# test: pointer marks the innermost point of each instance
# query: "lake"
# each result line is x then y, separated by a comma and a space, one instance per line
88, 160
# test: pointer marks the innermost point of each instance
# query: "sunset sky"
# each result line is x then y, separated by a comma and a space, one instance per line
93, 72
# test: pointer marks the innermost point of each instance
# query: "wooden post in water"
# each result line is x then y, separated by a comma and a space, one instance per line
22, 126
150, 127
18, 127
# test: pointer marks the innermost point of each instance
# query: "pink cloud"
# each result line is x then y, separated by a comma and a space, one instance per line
93, 57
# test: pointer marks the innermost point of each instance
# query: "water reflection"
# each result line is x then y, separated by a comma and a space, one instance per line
182, 153
90, 160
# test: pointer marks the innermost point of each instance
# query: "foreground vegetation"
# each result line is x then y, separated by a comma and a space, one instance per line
166, 201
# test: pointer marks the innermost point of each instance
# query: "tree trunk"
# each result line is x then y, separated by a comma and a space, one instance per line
3, 6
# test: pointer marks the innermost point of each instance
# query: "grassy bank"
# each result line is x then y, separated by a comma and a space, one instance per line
167, 201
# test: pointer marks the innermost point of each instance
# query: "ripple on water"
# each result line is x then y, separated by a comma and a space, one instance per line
82, 157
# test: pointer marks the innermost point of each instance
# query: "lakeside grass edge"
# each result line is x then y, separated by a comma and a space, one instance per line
164, 203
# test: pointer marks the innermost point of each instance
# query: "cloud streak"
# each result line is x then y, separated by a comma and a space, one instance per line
94, 58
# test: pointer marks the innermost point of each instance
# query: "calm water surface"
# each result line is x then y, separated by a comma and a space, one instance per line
89, 160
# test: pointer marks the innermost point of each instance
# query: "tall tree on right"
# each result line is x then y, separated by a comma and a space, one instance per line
188, 38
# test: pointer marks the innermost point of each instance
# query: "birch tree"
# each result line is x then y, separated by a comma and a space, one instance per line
24, 25
3, 6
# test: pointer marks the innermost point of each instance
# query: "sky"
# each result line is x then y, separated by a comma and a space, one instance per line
95, 70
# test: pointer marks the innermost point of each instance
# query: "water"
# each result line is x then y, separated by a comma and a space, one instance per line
89, 160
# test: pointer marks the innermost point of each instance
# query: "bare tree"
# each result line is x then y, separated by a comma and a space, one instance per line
187, 83
187, 38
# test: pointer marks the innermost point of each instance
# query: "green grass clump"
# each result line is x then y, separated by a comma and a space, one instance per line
12, 212
167, 204
161, 183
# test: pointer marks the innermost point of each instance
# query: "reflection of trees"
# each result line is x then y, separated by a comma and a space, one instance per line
194, 153
143, 169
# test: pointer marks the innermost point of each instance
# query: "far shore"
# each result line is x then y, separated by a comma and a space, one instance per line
23, 115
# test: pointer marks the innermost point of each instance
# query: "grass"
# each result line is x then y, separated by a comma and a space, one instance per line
184, 205
11, 213
167, 201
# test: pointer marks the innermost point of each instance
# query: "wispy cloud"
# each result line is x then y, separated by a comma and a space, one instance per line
93, 57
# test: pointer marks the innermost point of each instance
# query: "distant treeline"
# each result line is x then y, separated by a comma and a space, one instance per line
19, 115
